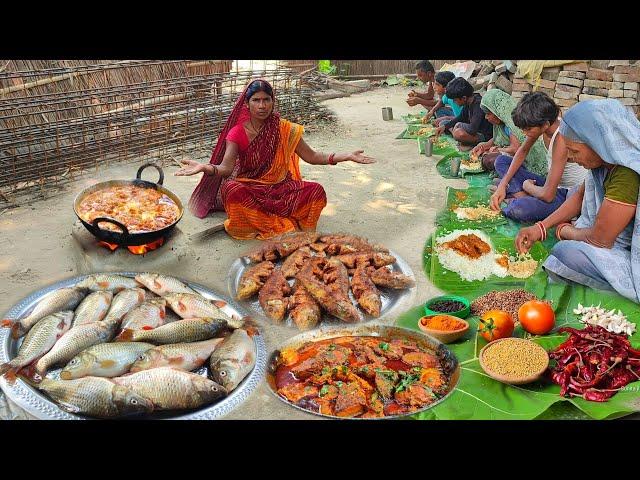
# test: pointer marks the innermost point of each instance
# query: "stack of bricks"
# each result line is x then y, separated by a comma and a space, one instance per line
594, 79
494, 74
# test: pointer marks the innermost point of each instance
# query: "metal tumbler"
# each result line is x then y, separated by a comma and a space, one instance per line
387, 113
455, 166
428, 147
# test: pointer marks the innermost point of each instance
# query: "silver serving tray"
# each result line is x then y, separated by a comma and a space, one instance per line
438, 348
39, 405
393, 301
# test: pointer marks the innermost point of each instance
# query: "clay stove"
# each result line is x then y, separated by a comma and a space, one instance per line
166, 255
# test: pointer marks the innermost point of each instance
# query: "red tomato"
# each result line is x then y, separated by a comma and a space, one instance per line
495, 324
537, 317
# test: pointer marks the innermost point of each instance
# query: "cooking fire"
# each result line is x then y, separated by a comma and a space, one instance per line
135, 249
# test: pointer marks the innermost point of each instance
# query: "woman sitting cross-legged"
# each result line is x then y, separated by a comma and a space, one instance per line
602, 248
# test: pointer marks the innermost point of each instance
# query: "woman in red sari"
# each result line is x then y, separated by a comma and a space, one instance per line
254, 172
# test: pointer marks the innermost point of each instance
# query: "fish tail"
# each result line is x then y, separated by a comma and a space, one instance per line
249, 325
125, 336
11, 375
5, 367
17, 330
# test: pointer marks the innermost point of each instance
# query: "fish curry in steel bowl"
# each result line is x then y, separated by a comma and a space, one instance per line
363, 372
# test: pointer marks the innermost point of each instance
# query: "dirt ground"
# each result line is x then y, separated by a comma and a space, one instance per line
393, 201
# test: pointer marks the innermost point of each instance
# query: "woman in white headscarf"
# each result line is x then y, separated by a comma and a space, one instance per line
602, 248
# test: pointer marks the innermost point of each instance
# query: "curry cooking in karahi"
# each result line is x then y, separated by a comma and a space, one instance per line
139, 209
361, 376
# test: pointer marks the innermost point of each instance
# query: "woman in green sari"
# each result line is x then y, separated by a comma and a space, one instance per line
507, 138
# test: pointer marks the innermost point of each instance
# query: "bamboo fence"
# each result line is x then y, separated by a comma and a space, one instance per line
58, 118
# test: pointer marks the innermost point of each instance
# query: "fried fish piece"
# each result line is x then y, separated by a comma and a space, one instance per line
383, 277
318, 246
365, 292
305, 311
330, 297
377, 259
273, 296
294, 262
281, 246
288, 245
335, 275
362, 244
253, 279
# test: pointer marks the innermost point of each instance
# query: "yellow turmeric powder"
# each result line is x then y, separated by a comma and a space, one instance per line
442, 322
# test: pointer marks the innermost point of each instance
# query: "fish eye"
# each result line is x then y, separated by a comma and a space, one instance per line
223, 373
134, 401
214, 389
141, 357
74, 362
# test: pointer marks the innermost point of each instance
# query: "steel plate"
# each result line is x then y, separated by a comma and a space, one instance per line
393, 301
40, 406
450, 361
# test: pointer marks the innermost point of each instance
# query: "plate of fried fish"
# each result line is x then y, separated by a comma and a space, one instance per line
133, 345
305, 279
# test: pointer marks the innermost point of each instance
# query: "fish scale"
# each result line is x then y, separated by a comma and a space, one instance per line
93, 308
73, 342
186, 330
95, 396
233, 359
148, 314
194, 306
106, 281
185, 356
40, 339
163, 284
61, 300
104, 360
170, 389
123, 303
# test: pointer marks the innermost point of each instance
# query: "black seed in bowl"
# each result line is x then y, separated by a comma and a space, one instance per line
446, 306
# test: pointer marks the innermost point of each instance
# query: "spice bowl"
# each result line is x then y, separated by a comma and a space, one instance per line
526, 349
429, 307
445, 336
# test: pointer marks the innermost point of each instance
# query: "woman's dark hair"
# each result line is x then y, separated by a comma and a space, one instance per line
458, 88
443, 78
259, 86
534, 109
425, 66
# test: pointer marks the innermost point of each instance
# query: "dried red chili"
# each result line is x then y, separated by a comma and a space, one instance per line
594, 363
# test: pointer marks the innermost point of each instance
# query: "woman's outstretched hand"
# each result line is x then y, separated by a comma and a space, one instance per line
190, 167
358, 157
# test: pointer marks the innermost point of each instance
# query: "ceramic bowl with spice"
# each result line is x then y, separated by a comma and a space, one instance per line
448, 305
445, 328
515, 361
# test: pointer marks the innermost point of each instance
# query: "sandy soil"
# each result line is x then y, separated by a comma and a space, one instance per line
393, 201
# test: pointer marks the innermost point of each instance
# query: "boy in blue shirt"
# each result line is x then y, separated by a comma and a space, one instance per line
446, 108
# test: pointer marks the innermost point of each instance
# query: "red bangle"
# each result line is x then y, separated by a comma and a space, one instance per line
331, 159
559, 228
543, 230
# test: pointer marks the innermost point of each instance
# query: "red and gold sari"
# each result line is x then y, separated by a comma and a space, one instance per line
265, 195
